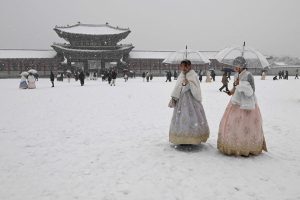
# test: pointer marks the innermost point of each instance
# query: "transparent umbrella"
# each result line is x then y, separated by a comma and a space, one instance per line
24, 74
194, 56
33, 71
254, 58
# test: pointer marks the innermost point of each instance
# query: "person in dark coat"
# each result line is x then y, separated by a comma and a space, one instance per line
169, 76
287, 75
81, 77
36, 76
200, 75
225, 83
279, 75
113, 77
175, 75
213, 75
151, 76
52, 78
143, 76
275, 78
109, 77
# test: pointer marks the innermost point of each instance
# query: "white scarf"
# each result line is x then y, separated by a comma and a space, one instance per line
244, 95
194, 85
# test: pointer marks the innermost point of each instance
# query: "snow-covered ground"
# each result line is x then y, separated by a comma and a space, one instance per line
102, 142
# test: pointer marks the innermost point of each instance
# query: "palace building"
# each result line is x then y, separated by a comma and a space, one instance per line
92, 48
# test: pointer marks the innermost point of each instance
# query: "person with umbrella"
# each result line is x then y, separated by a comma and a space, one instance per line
52, 78
240, 130
189, 124
23, 82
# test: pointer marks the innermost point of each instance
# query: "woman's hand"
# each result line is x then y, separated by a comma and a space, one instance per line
185, 82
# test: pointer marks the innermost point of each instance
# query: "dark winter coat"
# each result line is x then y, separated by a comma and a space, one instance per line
81, 76
51, 76
114, 75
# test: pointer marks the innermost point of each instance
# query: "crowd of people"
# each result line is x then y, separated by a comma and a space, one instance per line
285, 75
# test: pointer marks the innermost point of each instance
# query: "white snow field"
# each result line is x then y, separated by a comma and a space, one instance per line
111, 143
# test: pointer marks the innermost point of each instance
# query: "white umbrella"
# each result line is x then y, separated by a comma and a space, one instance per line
195, 57
24, 74
254, 58
33, 71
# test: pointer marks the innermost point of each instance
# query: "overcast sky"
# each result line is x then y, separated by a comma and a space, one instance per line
271, 26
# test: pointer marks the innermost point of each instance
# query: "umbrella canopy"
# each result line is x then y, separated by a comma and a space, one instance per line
194, 56
254, 58
33, 71
24, 74
226, 69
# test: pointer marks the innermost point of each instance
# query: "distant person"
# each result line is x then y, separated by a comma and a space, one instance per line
151, 76
52, 78
175, 75
287, 75
169, 76
200, 75
225, 83
297, 74
109, 77
208, 77
213, 75
275, 78
31, 81
263, 76
36, 76
143, 76
76, 76
147, 76
81, 77
69, 77
125, 77
23, 82
113, 77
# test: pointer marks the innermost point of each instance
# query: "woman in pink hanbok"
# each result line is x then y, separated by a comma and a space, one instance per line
240, 130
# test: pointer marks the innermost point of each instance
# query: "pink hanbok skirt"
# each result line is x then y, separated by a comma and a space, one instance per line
241, 132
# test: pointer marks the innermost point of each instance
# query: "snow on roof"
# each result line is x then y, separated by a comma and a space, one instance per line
139, 54
136, 54
26, 53
92, 29
280, 63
